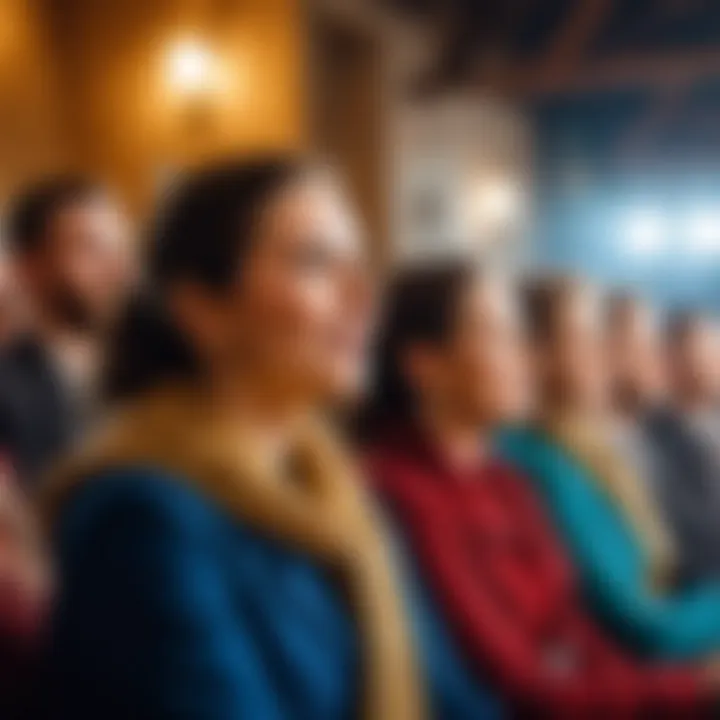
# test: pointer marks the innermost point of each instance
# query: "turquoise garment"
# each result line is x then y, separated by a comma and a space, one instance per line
170, 608
679, 624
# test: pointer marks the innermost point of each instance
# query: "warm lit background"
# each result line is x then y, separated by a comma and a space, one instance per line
572, 133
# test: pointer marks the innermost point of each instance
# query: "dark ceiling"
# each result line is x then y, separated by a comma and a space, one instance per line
618, 79
624, 97
526, 30
654, 23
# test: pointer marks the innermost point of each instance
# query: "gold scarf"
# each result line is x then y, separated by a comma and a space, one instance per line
587, 440
325, 515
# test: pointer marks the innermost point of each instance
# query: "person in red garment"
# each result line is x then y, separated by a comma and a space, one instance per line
450, 369
25, 594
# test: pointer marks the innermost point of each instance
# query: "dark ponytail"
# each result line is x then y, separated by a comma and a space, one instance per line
421, 308
146, 348
203, 233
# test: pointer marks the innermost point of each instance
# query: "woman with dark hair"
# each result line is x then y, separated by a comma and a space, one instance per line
606, 515
216, 557
451, 369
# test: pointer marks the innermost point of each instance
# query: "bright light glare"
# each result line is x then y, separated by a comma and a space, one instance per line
189, 67
645, 232
494, 203
703, 232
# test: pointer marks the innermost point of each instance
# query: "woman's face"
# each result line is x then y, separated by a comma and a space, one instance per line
299, 317
481, 371
694, 362
636, 355
577, 354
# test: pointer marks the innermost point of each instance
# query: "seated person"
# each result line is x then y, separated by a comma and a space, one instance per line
609, 521
217, 559
686, 441
638, 379
24, 598
450, 369
69, 251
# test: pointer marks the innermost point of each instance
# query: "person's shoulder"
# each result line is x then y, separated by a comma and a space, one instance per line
662, 422
20, 362
388, 456
505, 471
657, 413
539, 457
516, 441
398, 459
22, 352
138, 498
401, 474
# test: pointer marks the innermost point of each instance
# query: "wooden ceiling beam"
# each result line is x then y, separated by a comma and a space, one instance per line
642, 71
573, 38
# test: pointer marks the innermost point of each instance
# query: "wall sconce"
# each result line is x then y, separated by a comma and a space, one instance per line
189, 68
191, 73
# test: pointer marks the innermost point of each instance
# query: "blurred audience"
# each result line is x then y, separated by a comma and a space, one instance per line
686, 440
450, 371
547, 464
68, 246
605, 514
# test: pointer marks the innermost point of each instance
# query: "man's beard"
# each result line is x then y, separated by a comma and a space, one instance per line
75, 312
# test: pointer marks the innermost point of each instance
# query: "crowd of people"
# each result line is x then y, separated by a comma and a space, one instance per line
242, 481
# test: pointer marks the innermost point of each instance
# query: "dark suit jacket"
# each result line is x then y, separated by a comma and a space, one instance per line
686, 474
37, 418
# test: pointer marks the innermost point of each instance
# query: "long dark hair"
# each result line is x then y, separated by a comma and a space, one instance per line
203, 233
421, 308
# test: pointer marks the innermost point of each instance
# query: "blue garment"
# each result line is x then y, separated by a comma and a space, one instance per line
676, 624
169, 608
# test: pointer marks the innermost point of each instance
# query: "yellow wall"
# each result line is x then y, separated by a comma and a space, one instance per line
128, 125
30, 131
83, 85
